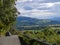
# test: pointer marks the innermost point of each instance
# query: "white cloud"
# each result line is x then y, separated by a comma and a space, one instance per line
36, 13
23, 0
57, 2
49, 5
46, 9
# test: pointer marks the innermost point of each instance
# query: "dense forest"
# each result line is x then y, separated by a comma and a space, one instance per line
49, 35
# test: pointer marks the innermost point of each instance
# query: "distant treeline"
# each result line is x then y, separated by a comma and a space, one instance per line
31, 27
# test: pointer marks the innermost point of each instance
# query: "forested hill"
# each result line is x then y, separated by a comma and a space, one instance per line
27, 21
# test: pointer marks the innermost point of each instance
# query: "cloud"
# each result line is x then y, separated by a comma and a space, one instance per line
27, 8
23, 0
36, 13
39, 8
49, 1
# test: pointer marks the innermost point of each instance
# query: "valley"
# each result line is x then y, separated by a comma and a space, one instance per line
27, 23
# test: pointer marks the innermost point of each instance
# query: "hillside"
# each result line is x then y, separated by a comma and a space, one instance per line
25, 21
33, 22
56, 19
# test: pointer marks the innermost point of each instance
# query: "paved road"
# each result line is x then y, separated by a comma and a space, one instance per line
10, 40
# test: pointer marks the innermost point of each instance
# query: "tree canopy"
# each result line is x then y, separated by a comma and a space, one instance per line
8, 13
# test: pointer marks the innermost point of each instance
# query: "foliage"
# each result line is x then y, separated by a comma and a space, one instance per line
48, 35
8, 14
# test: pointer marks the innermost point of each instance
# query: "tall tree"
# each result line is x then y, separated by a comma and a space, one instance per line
8, 13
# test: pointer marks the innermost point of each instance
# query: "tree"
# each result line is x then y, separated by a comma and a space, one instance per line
8, 13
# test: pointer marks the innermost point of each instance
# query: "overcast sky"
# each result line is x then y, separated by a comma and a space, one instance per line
39, 8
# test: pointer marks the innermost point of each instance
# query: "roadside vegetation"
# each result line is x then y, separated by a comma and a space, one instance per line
48, 35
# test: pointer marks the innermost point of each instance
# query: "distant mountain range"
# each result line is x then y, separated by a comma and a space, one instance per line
27, 21
56, 19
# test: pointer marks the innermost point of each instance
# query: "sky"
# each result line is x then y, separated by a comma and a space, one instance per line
41, 9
